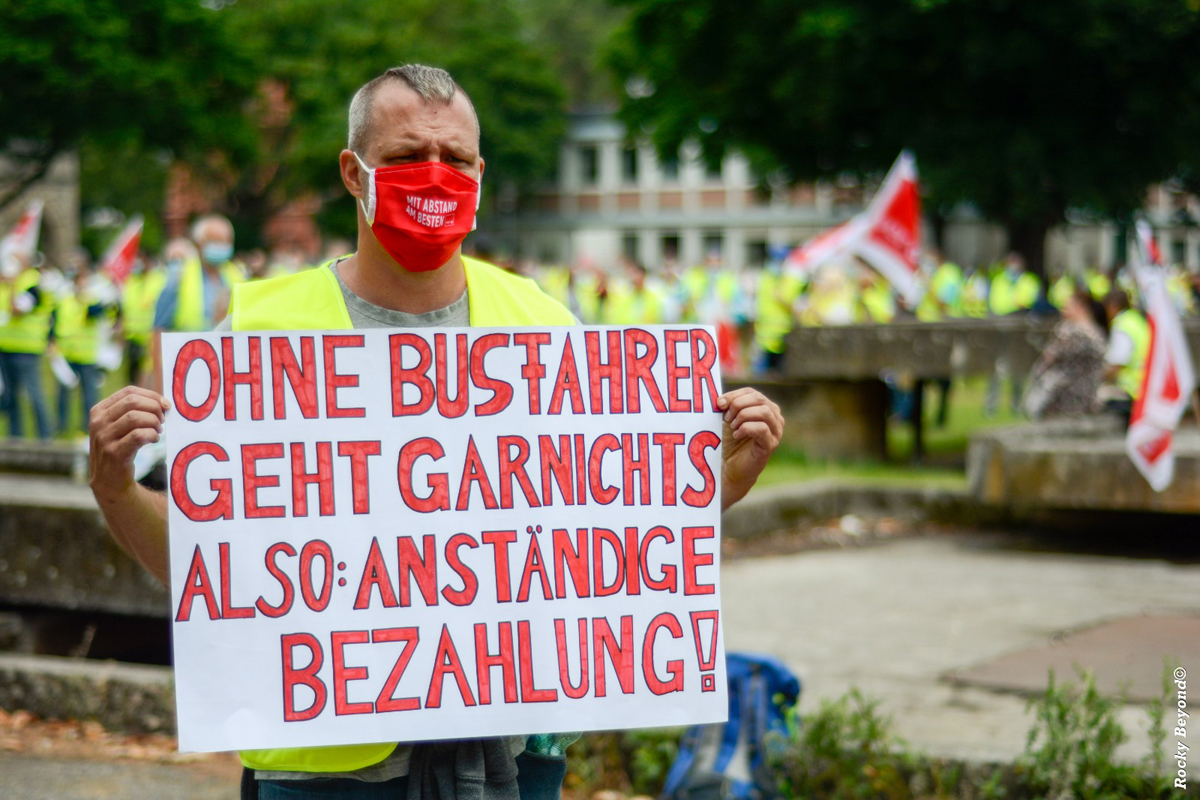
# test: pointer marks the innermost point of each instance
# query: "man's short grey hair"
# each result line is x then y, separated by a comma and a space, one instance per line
208, 220
431, 83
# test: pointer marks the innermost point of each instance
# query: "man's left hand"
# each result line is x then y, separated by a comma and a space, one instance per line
753, 427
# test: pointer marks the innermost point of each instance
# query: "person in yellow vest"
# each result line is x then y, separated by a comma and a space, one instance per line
139, 296
1125, 358
196, 294
975, 294
876, 295
633, 300
775, 297
418, 117
1013, 289
944, 296
1098, 283
83, 321
29, 309
1062, 290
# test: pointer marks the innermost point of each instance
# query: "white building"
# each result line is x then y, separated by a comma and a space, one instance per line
612, 198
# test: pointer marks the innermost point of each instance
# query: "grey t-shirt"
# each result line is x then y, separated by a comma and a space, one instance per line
368, 315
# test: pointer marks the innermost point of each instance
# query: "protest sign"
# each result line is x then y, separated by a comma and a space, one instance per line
403, 535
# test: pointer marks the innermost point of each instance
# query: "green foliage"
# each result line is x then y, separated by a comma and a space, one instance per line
163, 71
573, 33
127, 176
628, 761
1024, 109
845, 750
312, 55
1071, 750
253, 95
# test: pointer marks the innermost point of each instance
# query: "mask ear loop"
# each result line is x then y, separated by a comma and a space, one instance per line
369, 206
478, 200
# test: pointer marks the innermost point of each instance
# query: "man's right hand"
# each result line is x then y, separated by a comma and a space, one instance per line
118, 426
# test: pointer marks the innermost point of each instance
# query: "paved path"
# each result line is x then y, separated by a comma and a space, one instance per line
894, 619
24, 777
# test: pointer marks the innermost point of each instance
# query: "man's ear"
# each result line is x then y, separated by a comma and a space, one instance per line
353, 177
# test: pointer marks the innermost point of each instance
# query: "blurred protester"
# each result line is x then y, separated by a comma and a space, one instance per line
1063, 289
975, 294
139, 296
632, 298
1125, 358
832, 300
1098, 283
23, 340
83, 325
1066, 378
944, 296
713, 294
255, 264
876, 295
1013, 290
196, 294
775, 296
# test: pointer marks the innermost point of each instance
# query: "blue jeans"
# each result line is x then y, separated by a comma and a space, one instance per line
89, 393
24, 371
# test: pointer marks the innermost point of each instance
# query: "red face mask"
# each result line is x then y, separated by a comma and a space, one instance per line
420, 213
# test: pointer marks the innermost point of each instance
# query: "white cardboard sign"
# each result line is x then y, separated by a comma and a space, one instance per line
405, 535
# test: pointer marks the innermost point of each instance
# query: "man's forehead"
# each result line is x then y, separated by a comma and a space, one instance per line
398, 112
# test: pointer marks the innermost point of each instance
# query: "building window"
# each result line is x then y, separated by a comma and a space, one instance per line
756, 253
1179, 251
629, 165
589, 165
714, 245
629, 246
670, 248
670, 168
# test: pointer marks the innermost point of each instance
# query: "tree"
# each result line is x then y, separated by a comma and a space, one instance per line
313, 54
162, 71
1024, 109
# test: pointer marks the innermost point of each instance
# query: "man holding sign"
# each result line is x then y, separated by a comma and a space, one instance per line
413, 162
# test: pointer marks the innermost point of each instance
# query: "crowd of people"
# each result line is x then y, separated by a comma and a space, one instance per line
78, 325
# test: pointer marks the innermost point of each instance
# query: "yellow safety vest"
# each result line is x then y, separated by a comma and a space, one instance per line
1008, 296
28, 333
1135, 326
1099, 285
775, 296
880, 303
138, 299
625, 305
1061, 291
189, 307
78, 337
975, 300
312, 300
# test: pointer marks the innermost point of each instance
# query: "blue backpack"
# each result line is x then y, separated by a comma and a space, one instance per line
729, 760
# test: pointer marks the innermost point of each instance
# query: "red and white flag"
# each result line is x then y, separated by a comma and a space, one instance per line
1169, 376
119, 258
887, 235
17, 249
828, 246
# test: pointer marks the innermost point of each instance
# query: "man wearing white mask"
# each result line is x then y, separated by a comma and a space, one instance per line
413, 133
